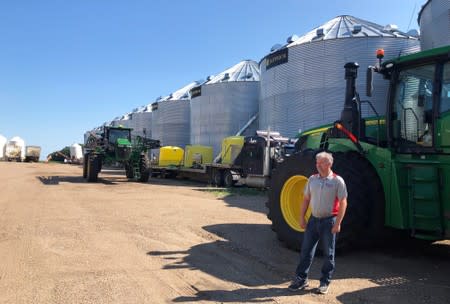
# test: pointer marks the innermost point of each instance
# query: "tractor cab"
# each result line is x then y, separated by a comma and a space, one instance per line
418, 109
118, 142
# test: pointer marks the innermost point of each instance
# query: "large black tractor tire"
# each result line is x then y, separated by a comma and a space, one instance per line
286, 196
129, 170
85, 165
92, 168
363, 222
144, 168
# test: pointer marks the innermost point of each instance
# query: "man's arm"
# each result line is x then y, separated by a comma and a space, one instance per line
340, 216
305, 205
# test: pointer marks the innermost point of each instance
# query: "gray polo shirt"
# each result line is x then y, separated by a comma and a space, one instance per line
325, 194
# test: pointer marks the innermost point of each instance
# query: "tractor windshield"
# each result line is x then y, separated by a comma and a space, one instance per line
413, 106
115, 134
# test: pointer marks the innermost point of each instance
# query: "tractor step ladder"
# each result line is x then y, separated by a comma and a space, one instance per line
425, 207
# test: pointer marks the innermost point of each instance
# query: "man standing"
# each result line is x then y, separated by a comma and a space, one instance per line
326, 193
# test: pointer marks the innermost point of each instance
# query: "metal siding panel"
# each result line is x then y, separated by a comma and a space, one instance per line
171, 123
221, 110
435, 24
309, 89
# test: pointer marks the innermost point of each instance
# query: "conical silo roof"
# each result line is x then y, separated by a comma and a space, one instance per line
182, 93
302, 83
145, 109
346, 26
247, 70
171, 117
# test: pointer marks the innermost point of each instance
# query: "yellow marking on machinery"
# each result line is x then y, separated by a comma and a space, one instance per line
291, 201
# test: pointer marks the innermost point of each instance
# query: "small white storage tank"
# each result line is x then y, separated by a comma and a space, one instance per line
76, 152
171, 118
2, 146
434, 22
302, 83
15, 149
224, 105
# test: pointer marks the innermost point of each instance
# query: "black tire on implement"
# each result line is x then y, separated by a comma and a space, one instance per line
228, 179
364, 219
92, 168
144, 168
85, 164
217, 178
129, 173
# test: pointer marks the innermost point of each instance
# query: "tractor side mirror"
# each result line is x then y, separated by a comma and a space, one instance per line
369, 81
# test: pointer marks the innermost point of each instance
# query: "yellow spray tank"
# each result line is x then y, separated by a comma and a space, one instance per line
196, 155
231, 147
171, 156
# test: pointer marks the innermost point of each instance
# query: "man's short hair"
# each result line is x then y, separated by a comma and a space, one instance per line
325, 155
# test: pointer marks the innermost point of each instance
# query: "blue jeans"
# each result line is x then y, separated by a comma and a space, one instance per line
318, 229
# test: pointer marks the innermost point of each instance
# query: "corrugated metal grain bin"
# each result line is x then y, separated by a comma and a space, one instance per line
225, 104
171, 118
434, 21
124, 121
142, 122
302, 83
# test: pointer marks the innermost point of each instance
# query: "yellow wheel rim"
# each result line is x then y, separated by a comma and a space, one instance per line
291, 201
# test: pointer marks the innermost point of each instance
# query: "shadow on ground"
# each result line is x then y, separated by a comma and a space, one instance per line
249, 255
56, 180
252, 199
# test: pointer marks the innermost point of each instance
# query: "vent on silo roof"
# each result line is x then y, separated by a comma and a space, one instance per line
275, 47
356, 28
413, 33
291, 38
391, 28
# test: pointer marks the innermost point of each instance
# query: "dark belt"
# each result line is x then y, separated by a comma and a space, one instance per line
323, 218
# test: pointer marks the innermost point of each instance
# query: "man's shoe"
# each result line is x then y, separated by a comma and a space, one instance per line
323, 288
298, 284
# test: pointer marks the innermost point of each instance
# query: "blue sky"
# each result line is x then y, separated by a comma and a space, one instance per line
68, 66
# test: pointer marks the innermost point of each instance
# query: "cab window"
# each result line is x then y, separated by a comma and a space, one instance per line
413, 105
445, 91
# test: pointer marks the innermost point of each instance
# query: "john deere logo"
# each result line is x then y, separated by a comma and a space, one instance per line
277, 58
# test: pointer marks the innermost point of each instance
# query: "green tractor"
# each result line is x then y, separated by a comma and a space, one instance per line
115, 144
396, 166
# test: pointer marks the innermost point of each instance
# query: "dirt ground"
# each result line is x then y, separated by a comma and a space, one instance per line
63, 240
